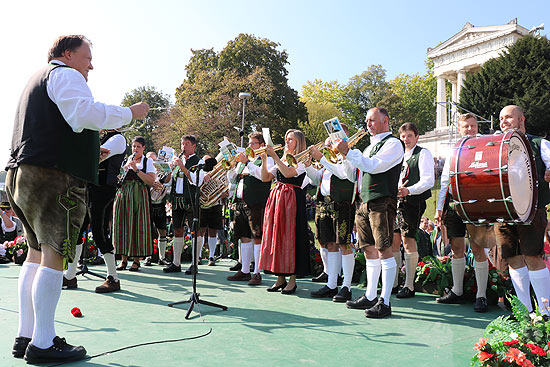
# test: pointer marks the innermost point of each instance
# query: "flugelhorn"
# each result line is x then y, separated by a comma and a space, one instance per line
253, 153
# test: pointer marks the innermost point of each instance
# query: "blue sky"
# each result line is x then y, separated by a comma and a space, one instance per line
149, 42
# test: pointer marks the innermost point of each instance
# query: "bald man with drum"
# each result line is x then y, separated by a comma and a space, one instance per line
522, 246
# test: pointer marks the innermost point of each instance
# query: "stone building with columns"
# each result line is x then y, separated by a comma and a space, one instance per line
463, 53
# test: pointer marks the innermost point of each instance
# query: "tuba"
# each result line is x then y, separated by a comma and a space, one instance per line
212, 191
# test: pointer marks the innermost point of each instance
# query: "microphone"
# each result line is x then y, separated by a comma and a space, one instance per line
208, 165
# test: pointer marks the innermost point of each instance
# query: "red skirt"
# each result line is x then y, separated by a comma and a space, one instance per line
279, 231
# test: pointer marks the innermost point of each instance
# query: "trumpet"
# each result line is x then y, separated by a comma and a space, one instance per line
294, 159
253, 153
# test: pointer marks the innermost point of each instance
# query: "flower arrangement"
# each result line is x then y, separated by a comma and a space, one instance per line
521, 340
16, 249
435, 274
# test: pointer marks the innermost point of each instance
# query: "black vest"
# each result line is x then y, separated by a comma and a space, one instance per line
42, 137
109, 169
340, 190
255, 191
189, 190
379, 185
543, 189
414, 176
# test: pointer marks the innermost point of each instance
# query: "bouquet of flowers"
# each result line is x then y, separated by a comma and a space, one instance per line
16, 249
521, 340
434, 273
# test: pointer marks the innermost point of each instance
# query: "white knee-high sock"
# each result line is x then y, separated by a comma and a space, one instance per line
177, 248
520, 280
212, 243
70, 273
46, 290
257, 249
339, 261
458, 267
411, 260
374, 268
162, 247
348, 263
26, 309
397, 257
324, 257
333, 269
200, 244
540, 280
481, 269
247, 250
388, 275
240, 253
110, 263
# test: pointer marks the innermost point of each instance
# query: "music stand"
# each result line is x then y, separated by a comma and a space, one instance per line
84, 268
195, 297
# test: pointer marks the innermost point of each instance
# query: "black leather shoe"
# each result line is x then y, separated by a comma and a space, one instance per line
148, 261
379, 310
164, 262
324, 292
395, 289
19, 346
405, 292
172, 269
343, 295
191, 269
321, 278
236, 267
60, 351
290, 291
450, 298
70, 283
277, 288
481, 305
361, 303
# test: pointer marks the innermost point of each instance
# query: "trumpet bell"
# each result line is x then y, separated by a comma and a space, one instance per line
292, 162
330, 155
249, 152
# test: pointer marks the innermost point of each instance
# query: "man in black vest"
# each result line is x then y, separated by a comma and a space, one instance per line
249, 198
334, 221
100, 199
54, 153
182, 198
523, 245
416, 180
381, 166
480, 237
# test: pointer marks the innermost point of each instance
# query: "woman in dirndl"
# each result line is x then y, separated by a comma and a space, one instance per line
132, 221
285, 247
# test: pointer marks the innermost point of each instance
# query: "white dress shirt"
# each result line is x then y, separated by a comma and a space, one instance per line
116, 144
426, 169
179, 180
389, 156
68, 89
299, 170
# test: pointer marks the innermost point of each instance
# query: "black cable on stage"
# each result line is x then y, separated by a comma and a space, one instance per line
134, 346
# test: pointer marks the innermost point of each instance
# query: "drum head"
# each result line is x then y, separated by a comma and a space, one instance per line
520, 178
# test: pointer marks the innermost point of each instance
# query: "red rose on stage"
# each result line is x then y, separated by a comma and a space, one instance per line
76, 312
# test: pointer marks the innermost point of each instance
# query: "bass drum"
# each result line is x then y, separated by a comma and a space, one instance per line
494, 179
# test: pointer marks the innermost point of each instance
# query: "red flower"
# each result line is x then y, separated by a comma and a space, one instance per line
536, 349
187, 237
480, 344
483, 356
76, 312
92, 247
426, 271
155, 250
511, 342
318, 258
421, 264
517, 356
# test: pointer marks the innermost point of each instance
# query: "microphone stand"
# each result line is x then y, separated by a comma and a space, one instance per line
194, 298
84, 268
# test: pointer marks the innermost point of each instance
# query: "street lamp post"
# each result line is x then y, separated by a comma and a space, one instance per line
245, 97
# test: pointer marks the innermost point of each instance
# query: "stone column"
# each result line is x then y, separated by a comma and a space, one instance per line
441, 110
461, 76
454, 98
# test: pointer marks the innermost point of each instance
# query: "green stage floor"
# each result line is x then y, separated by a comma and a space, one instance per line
258, 329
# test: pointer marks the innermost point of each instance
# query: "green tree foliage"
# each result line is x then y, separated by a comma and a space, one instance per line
314, 129
412, 100
207, 101
158, 102
521, 76
363, 92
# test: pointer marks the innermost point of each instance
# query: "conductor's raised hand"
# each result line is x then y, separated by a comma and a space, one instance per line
139, 110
